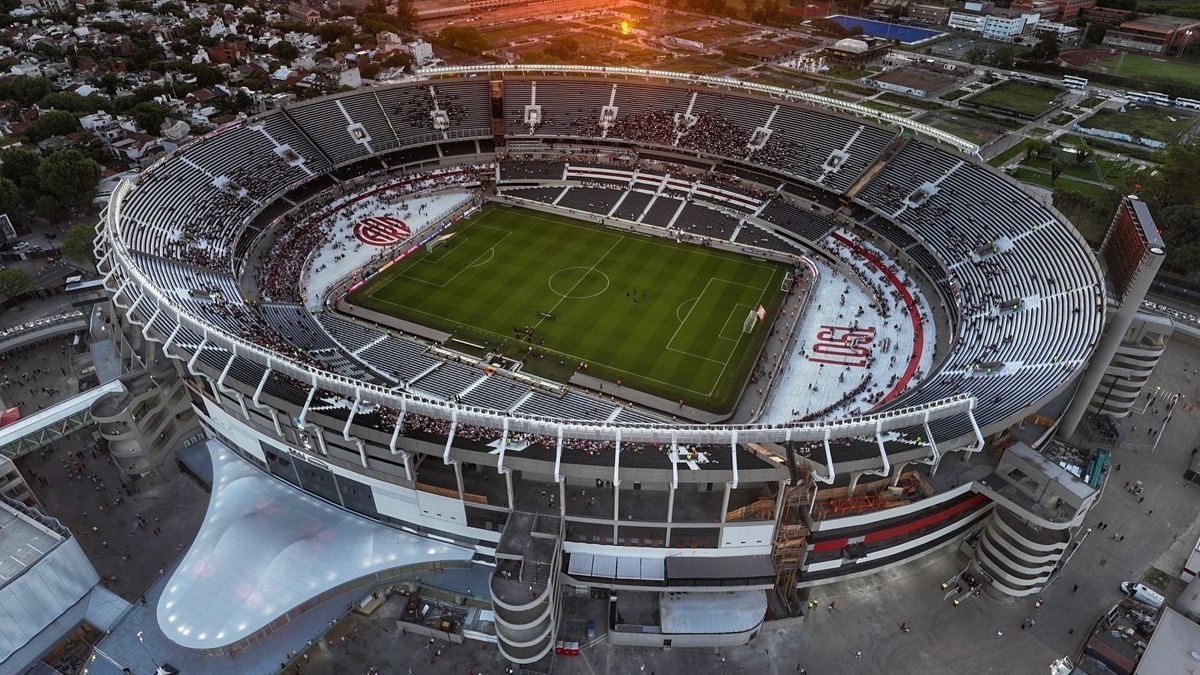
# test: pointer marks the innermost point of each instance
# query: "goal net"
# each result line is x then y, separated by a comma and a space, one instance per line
751, 320
438, 242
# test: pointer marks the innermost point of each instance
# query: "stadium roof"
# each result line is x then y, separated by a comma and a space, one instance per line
24, 542
265, 548
732, 612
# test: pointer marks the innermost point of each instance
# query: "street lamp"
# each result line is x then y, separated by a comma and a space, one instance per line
142, 641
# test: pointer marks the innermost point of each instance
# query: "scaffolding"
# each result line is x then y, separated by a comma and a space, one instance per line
790, 545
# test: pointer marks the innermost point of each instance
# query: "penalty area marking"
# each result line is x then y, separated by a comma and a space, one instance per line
480, 262
744, 311
477, 262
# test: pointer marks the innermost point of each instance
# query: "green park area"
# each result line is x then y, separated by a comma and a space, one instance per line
1025, 98
1149, 121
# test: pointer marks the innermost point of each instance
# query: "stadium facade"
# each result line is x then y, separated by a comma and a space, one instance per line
562, 488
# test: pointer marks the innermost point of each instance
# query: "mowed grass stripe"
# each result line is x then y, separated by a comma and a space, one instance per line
627, 291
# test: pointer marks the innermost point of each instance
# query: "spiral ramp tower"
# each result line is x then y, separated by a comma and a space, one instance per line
1039, 506
524, 586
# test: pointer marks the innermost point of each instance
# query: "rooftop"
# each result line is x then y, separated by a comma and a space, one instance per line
265, 549
1161, 22
1173, 647
712, 612
23, 539
916, 78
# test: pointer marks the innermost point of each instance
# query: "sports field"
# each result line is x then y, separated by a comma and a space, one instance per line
661, 317
1150, 68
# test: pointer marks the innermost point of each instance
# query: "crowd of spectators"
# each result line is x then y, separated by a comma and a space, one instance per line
704, 132
417, 424
789, 156
713, 135
315, 226
421, 116
206, 226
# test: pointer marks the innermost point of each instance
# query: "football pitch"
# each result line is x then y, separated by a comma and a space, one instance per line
665, 318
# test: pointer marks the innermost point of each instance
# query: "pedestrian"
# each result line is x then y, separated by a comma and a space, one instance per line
1122, 538
1075, 588
904, 626
1118, 467
1141, 499
999, 633
832, 604
1150, 512
858, 653
1070, 632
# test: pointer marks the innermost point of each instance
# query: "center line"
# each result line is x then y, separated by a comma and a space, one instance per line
576, 285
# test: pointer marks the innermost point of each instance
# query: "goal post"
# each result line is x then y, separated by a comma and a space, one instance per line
438, 242
751, 321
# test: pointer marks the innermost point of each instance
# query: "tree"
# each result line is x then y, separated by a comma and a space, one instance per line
48, 48
976, 55
70, 177
368, 71
398, 60
466, 38
284, 51
1175, 182
206, 75
1004, 57
1178, 225
49, 208
71, 102
78, 246
10, 201
14, 282
19, 165
1037, 147
239, 102
332, 32
1046, 49
563, 47
52, 123
1056, 168
27, 90
110, 83
149, 116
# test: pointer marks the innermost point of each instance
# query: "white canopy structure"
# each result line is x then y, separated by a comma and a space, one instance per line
266, 548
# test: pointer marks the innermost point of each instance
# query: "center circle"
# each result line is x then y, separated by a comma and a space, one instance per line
578, 283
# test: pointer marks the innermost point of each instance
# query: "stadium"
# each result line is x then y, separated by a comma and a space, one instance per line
603, 328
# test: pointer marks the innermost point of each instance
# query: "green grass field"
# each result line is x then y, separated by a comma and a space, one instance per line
1008, 154
662, 317
503, 35
1160, 124
1022, 97
1149, 68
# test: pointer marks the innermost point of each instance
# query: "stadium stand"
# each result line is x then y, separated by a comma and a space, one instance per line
190, 220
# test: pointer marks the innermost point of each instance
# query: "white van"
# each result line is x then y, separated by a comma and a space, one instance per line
1143, 594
